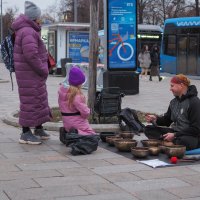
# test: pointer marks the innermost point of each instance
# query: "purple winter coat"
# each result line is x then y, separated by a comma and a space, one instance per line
31, 69
79, 122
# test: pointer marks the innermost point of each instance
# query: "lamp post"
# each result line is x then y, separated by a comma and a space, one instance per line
1, 22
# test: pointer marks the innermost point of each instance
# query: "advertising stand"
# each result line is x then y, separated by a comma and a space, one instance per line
121, 31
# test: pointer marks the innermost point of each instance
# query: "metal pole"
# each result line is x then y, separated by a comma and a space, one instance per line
1, 22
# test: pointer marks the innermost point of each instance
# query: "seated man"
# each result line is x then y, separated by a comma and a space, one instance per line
182, 119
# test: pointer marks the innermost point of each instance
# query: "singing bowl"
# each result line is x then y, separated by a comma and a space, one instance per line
176, 151
110, 139
154, 151
103, 135
126, 134
164, 145
150, 142
140, 152
125, 144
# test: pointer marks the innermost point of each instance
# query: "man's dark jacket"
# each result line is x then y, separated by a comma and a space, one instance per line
183, 114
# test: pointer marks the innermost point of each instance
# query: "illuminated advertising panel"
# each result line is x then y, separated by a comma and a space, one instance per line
122, 34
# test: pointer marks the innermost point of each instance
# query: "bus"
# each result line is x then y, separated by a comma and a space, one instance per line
146, 35
180, 48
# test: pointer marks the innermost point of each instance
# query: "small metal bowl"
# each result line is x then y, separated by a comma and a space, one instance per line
126, 134
110, 139
140, 152
176, 150
103, 135
154, 151
150, 143
164, 145
125, 144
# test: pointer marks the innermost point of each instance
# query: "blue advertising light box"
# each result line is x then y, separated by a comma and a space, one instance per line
122, 34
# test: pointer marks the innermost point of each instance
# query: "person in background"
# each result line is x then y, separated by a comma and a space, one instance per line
182, 119
72, 104
155, 63
31, 70
145, 60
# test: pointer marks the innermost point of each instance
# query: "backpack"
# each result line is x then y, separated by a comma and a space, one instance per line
7, 48
128, 119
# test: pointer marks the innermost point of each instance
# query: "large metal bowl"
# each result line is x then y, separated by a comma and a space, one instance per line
154, 151
150, 143
140, 152
125, 144
111, 139
164, 145
126, 134
103, 135
176, 150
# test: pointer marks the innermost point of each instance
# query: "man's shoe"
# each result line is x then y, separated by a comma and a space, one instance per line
42, 134
29, 138
160, 78
150, 79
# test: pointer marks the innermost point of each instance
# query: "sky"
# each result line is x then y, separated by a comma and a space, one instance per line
43, 4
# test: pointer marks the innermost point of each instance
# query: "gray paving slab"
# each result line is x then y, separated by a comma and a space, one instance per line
120, 168
115, 196
186, 192
166, 173
120, 177
46, 166
29, 174
3, 196
70, 180
45, 192
153, 184
156, 194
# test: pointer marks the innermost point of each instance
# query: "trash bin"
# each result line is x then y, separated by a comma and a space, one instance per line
64, 61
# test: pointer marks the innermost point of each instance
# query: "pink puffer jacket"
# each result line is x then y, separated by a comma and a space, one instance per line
79, 122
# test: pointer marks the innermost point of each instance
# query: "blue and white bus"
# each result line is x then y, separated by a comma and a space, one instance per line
180, 51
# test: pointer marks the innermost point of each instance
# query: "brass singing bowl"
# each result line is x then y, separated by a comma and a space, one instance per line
125, 144
150, 142
126, 134
154, 151
103, 135
140, 152
110, 139
176, 150
164, 145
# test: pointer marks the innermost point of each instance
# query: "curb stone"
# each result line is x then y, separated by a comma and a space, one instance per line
52, 126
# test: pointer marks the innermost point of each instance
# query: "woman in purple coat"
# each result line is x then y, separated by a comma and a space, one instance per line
31, 69
72, 104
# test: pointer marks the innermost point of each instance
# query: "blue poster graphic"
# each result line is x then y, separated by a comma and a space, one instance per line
122, 34
78, 46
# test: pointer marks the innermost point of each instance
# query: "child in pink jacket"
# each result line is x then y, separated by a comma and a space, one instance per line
72, 104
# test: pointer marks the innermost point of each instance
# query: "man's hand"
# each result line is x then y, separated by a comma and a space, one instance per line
150, 118
169, 137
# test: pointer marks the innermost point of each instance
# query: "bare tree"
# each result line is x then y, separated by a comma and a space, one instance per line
8, 19
93, 52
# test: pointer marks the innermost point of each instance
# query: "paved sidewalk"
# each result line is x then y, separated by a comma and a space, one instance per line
49, 172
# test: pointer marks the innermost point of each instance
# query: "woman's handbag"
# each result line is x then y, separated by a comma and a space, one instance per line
51, 61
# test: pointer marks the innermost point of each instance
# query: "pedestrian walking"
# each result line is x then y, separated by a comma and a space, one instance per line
145, 60
155, 63
31, 69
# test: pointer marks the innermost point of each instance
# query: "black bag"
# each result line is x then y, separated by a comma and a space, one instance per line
129, 119
82, 144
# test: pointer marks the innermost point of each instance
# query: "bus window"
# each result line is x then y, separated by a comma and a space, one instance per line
170, 45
